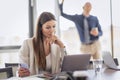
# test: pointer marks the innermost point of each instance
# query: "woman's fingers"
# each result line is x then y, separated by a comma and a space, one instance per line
23, 72
51, 39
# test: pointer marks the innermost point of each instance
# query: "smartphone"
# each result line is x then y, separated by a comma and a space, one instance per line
23, 65
95, 29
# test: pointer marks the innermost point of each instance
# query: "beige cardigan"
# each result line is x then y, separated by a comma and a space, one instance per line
26, 55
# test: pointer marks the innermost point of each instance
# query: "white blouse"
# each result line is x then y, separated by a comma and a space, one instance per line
48, 63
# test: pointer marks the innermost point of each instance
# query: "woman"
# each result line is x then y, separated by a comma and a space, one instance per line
44, 51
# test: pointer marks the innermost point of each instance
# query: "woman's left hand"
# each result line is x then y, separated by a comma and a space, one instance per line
57, 41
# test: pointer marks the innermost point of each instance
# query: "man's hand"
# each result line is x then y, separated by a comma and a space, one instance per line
94, 32
62, 1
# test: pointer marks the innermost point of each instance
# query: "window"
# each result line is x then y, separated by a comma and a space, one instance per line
69, 32
116, 27
14, 28
14, 22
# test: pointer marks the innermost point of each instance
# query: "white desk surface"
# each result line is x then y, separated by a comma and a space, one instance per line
26, 78
107, 74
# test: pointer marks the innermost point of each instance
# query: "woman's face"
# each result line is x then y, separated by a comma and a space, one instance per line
48, 28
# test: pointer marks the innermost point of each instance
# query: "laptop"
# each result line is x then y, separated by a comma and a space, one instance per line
75, 62
109, 61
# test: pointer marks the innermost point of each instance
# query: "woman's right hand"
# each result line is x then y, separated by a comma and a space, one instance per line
22, 72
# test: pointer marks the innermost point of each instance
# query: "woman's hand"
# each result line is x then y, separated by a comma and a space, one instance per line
22, 72
53, 39
57, 41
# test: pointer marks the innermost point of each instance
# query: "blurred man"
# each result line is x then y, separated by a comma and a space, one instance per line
88, 28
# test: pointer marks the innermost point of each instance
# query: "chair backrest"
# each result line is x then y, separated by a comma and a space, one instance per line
14, 67
6, 73
11, 64
116, 61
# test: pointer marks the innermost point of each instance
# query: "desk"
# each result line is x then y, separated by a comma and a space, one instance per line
108, 74
26, 78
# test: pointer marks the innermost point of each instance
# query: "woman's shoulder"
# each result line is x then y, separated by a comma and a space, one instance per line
28, 41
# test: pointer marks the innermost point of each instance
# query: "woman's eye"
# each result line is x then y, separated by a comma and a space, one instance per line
50, 27
47, 27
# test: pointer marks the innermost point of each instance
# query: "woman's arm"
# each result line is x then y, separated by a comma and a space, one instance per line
23, 59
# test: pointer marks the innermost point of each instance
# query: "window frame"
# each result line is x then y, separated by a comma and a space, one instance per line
30, 27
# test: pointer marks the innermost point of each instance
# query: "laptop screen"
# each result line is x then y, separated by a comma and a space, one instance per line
108, 60
75, 62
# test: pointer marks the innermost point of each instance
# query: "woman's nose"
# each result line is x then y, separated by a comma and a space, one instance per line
52, 30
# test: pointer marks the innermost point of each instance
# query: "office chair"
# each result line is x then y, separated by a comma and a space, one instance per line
11, 64
6, 73
14, 67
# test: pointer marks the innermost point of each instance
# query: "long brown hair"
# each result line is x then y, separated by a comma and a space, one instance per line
38, 44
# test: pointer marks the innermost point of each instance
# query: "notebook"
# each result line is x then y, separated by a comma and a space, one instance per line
75, 62
109, 62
